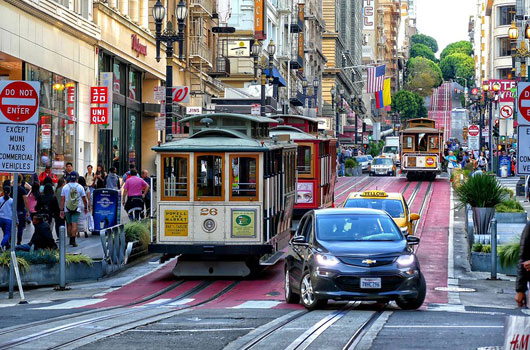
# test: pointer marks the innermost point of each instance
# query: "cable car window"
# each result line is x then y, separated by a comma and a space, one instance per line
433, 143
175, 177
209, 175
303, 163
243, 177
408, 142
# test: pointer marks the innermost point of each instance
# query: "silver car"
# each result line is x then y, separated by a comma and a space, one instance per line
363, 162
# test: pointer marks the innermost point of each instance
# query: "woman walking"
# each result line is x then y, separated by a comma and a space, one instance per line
33, 197
99, 181
6, 215
47, 205
59, 221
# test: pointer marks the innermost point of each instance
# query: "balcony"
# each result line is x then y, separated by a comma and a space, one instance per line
297, 25
200, 53
222, 67
297, 99
202, 7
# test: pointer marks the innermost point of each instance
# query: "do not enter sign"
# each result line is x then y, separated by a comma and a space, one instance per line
473, 130
19, 102
523, 94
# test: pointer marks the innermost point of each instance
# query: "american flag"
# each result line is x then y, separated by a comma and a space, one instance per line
376, 78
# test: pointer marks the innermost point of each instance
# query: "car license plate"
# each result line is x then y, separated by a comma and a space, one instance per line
371, 283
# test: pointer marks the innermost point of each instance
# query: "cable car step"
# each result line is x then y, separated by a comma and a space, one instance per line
273, 259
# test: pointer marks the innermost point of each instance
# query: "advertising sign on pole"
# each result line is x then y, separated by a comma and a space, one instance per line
473, 137
523, 104
106, 79
106, 208
505, 93
523, 150
194, 110
98, 115
368, 15
19, 101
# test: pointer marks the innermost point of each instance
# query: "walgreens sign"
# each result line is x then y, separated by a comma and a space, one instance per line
506, 94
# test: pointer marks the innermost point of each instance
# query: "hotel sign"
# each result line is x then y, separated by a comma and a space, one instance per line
368, 15
259, 20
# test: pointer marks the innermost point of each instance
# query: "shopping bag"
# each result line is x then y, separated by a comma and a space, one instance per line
90, 223
517, 333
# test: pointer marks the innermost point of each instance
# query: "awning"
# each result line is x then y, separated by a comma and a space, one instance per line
278, 79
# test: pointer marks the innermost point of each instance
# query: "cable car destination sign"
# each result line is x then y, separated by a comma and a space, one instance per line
19, 114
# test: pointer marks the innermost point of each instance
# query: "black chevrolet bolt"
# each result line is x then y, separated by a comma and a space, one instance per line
352, 254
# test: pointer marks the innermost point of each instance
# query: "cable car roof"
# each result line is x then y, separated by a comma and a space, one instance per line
293, 132
219, 140
252, 118
303, 117
420, 130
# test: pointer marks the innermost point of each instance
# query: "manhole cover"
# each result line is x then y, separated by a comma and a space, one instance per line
454, 289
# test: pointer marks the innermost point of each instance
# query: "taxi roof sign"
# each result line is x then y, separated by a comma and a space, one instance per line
375, 193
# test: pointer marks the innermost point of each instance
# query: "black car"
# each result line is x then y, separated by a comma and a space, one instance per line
352, 254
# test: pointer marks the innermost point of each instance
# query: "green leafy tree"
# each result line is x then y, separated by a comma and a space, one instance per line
420, 50
404, 103
458, 65
421, 111
463, 46
422, 76
425, 40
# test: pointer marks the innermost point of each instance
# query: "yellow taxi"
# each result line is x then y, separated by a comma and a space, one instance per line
393, 203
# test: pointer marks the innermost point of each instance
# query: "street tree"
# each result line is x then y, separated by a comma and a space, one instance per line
404, 103
421, 110
421, 50
422, 76
458, 65
425, 40
463, 46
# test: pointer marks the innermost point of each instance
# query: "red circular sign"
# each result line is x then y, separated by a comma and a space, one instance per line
473, 130
430, 161
474, 91
19, 101
525, 97
506, 112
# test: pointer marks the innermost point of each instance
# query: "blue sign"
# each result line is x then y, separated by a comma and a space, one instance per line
106, 210
507, 162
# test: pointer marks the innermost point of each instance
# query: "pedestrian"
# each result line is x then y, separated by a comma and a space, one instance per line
33, 197
22, 208
42, 237
482, 162
127, 175
6, 216
464, 160
134, 192
99, 181
47, 173
473, 160
83, 224
59, 221
147, 199
451, 164
523, 268
113, 180
47, 205
71, 195
115, 157
341, 159
90, 178
70, 171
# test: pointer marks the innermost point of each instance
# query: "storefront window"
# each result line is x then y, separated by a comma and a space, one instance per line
134, 84
116, 126
131, 138
209, 169
58, 112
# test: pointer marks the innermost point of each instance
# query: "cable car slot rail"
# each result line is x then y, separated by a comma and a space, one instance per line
151, 318
359, 333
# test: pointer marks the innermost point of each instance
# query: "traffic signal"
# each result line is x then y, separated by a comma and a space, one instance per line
495, 130
365, 146
499, 147
503, 139
369, 137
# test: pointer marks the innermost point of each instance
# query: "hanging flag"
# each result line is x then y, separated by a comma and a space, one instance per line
375, 78
379, 99
387, 96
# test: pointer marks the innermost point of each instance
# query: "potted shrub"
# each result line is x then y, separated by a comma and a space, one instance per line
507, 258
510, 211
137, 232
349, 164
482, 193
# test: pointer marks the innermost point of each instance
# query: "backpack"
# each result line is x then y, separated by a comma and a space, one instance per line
128, 176
73, 199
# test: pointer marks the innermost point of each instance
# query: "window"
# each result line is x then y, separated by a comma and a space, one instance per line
504, 47
303, 163
506, 15
408, 142
209, 177
244, 178
504, 73
134, 85
308, 228
175, 177
434, 143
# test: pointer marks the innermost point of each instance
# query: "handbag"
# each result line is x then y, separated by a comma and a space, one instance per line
90, 222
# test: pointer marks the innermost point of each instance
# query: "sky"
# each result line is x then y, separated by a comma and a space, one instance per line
446, 21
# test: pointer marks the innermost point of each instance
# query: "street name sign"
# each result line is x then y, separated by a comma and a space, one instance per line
523, 150
19, 101
19, 153
473, 137
523, 102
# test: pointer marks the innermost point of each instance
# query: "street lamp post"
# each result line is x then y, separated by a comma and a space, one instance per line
355, 106
169, 36
304, 89
489, 98
271, 49
256, 50
309, 96
513, 34
315, 88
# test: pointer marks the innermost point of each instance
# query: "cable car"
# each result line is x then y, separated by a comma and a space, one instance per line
315, 162
421, 149
225, 196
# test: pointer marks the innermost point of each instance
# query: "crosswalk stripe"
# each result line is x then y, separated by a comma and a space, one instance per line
72, 304
257, 304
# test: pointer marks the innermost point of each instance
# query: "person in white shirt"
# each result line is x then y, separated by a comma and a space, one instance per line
71, 194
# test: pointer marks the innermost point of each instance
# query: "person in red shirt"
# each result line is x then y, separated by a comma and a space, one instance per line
48, 173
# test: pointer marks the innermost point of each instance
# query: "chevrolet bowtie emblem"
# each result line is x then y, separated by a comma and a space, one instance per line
369, 261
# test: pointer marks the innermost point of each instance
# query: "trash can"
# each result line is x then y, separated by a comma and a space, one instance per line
504, 171
106, 208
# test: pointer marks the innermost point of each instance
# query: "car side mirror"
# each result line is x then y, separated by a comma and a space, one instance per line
414, 217
413, 240
299, 240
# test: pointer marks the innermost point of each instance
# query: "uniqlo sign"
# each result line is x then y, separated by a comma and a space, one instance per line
71, 94
98, 115
99, 94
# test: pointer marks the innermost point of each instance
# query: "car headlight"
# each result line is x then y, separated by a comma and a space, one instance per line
327, 260
404, 230
405, 260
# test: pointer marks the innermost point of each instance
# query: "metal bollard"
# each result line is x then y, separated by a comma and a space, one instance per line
62, 258
493, 249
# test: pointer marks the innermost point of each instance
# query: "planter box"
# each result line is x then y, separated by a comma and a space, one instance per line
48, 274
482, 262
511, 218
348, 171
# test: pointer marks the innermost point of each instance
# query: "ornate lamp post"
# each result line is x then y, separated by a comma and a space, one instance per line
271, 50
304, 89
513, 34
169, 37
316, 82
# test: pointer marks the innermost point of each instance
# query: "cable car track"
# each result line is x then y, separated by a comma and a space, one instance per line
165, 313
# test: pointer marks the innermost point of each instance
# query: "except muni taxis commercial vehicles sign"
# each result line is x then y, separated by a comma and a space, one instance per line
473, 140
176, 223
19, 153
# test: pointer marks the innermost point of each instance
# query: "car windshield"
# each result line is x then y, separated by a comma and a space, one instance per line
394, 207
390, 149
357, 227
361, 159
369, 157
382, 161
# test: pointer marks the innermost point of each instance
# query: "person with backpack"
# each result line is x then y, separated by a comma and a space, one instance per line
59, 221
71, 194
128, 174
6, 215
84, 224
113, 180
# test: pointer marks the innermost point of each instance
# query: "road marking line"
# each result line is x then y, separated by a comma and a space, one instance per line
257, 304
158, 301
72, 304
181, 302
190, 330
440, 326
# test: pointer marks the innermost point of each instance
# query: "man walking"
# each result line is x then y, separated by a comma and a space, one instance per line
147, 199
22, 208
134, 192
71, 194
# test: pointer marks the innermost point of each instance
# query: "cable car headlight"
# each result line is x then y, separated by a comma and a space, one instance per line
327, 260
405, 260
